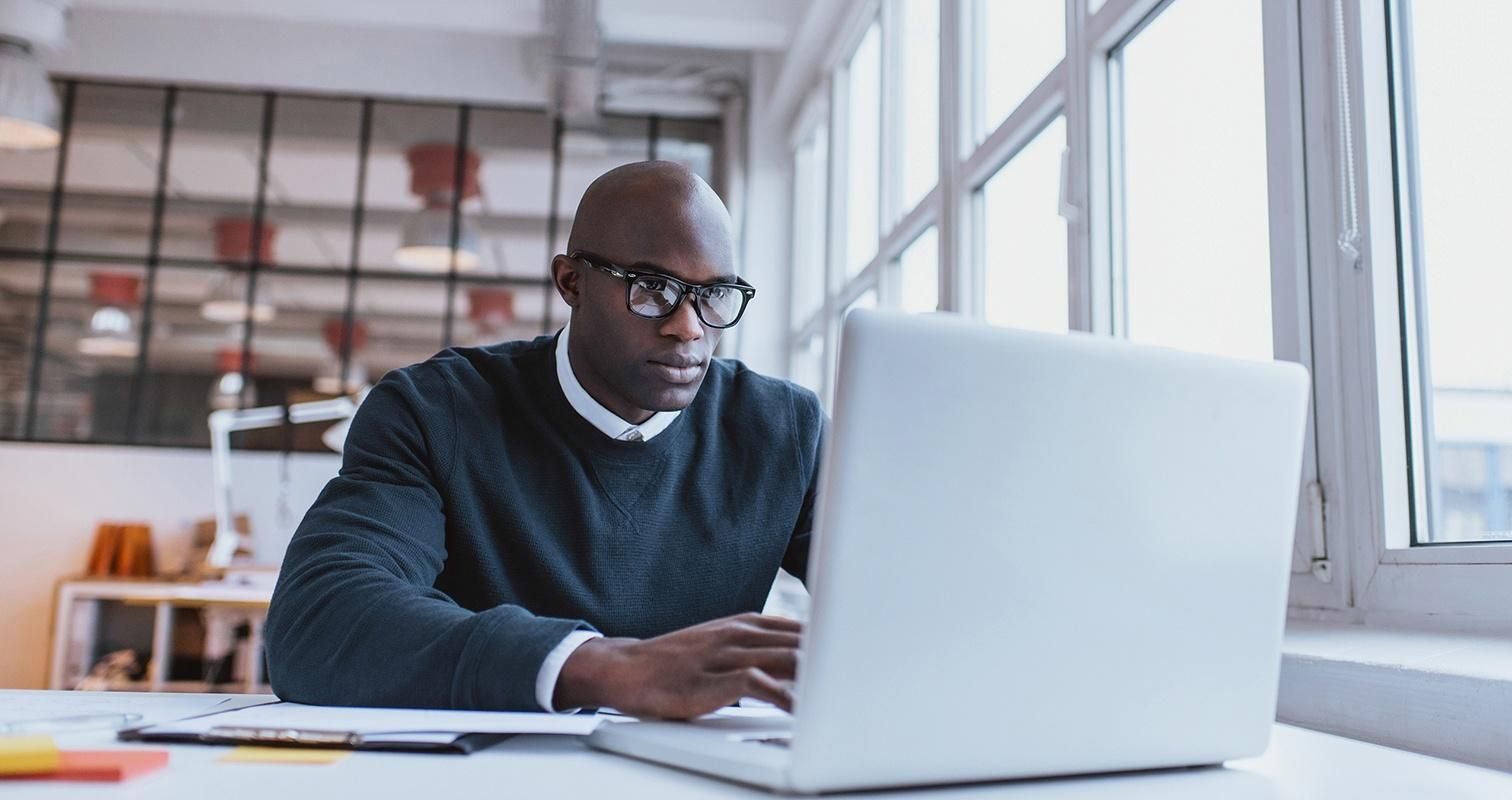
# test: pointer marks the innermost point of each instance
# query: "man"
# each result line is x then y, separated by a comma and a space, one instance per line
591, 519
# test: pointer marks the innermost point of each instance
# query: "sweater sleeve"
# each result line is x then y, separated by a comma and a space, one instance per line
810, 428
356, 618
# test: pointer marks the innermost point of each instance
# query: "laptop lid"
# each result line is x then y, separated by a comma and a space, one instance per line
1044, 554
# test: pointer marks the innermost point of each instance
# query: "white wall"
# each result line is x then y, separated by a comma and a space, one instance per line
54, 495
763, 331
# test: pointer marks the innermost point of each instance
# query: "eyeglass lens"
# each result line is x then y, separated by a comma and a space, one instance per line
657, 297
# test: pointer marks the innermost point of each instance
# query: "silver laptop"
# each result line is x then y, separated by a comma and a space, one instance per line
1036, 555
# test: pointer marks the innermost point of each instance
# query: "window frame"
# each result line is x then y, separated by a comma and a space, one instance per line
1392, 579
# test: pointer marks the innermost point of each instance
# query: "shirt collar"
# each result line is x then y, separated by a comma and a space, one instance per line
599, 417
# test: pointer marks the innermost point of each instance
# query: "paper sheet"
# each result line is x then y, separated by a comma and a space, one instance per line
369, 721
21, 705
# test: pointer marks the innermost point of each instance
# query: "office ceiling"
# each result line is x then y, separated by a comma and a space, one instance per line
723, 24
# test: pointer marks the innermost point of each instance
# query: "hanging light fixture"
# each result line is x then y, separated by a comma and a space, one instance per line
426, 243
28, 106
330, 379
231, 389
112, 332
227, 301
490, 309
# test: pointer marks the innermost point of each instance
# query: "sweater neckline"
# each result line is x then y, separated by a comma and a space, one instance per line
582, 433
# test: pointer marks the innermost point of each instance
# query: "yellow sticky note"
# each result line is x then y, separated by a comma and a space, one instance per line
28, 755
283, 755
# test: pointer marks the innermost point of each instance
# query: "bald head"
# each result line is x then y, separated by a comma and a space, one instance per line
659, 213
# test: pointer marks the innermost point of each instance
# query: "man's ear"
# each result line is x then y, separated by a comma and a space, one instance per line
568, 281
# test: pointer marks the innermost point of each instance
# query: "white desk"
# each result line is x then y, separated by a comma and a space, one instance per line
1300, 764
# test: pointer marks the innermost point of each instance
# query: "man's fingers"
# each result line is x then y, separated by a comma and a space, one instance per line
773, 623
779, 662
756, 683
755, 637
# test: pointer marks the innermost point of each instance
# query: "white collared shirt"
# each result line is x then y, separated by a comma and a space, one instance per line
594, 411
615, 428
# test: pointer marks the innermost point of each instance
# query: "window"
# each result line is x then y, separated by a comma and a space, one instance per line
863, 103
917, 77
1145, 168
808, 365
867, 299
1450, 154
1196, 263
1024, 238
1017, 43
810, 190
919, 273
223, 248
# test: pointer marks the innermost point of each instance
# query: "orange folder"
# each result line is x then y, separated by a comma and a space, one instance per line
103, 556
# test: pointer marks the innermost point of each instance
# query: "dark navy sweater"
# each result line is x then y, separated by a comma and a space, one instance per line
478, 519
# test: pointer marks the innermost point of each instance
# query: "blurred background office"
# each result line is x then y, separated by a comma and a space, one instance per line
217, 206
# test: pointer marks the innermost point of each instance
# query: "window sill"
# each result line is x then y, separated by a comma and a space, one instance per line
1440, 693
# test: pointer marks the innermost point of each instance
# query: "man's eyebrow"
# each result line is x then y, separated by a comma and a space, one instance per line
647, 266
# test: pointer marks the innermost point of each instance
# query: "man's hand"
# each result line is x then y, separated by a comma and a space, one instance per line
686, 673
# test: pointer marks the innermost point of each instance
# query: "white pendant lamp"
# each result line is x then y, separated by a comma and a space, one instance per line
426, 243
28, 105
227, 301
112, 331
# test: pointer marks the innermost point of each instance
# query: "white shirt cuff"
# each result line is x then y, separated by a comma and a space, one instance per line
551, 668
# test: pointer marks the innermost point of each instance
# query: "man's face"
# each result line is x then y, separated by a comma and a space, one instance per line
649, 364
651, 217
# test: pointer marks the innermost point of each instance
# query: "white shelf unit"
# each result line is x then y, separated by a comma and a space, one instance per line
76, 617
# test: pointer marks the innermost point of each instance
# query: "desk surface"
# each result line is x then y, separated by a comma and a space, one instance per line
1299, 764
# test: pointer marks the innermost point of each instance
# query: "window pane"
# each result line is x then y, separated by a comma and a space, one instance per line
864, 90
1456, 130
89, 359
1018, 43
312, 181
189, 353
26, 182
867, 299
1024, 237
485, 313
918, 125
514, 188
20, 282
409, 152
919, 269
1197, 254
212, 177
810, 188
691, 143
112, 170
808, 363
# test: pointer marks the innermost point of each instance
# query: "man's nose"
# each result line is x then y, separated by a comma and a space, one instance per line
684, 324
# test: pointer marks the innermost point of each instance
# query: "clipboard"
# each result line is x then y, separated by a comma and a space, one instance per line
385, 729
459, 744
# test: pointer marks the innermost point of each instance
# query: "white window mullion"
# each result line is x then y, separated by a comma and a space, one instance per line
956, 286
1292, 320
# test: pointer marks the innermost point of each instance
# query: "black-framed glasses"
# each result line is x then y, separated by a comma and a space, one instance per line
652, 295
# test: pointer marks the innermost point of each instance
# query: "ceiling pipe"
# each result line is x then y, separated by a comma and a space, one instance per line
576, 58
